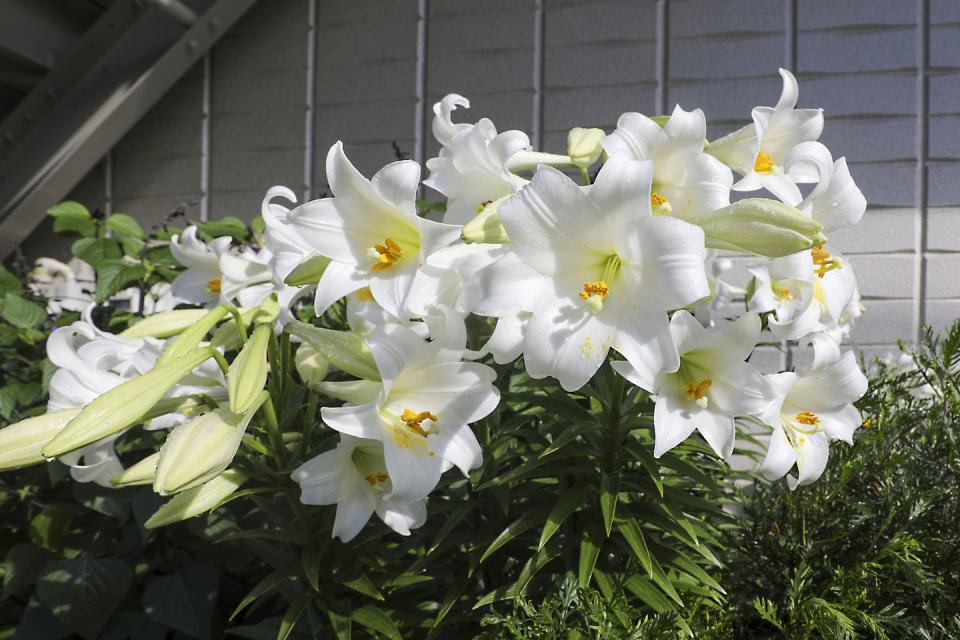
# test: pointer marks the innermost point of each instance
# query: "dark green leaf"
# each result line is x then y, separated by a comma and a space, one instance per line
114, 275
363, 584
21, 312
228, 226
85, 591
263, 587
93, 251
184, 600
609, 490
293, 614
515, 528
9, 283
24, 562
589, 551
373, 617
567, 504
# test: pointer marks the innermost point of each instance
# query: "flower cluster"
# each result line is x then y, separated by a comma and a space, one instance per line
607, 253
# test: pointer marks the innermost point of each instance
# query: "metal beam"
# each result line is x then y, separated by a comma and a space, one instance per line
38, 31
42, 164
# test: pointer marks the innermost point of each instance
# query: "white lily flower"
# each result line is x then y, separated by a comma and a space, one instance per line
370, 231
809, 292
712, 386
426, 401
201, 283
760, 150
686, 181
596, 270
836, 202
354, 477
68, 286
810, 409
471, 169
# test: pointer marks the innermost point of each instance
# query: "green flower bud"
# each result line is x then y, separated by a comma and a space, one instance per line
760, 226
248, 372
343, 349
486, 227
141, 473
190, 339
310, 364
201, 448
165, 324
21, 443
307, 272
197, 501
583, 146
355, 391
123, 406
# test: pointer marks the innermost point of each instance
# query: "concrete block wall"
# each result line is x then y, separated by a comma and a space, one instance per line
293, 76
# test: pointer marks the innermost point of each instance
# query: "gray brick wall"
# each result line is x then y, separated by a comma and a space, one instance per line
887, 73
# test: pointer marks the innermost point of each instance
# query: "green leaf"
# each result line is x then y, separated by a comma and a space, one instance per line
293, 614
9, 283
609, 490
93, 251
515, 528
343, 349
8, 401
589, 551
631, 532
123, 225
363, 584
263, 587
85, 591
184, 600
22, 313
341, 625
48, 526
646, 591
114, 275
374, 618
567, 504
311, 567
23, 563
228, 226
73, 217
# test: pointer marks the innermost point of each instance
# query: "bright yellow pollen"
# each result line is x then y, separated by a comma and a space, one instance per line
365, 295
805, 417
868, 423
784, 293
413, 420
376, 478
696, 390
598, 288
389, 251
213, 286
656, 200
764, 163
823, 262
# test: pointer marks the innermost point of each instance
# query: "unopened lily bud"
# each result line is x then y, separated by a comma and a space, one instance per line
355, 391
190, 339
248, 371
200, 448
486, 226
760, 226
310, 364
343, 349
584, 146
123, 406
165, 324
197, 501
307, 272
141, 473
21, 443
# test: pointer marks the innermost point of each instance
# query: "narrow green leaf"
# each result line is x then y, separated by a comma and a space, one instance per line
363, 584
293, 614
609, 490
566, 505
373, 617
503, 593
631, 532
262, 588
342, 625
589, 551
646, 591
515, 528
311, 567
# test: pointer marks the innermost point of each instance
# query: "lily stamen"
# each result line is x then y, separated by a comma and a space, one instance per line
660, 204
376, 478
414, 420
213, 286
385, 254
823, 262
764, 163
697, 392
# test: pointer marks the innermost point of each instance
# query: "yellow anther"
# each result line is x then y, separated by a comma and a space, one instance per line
376, 478
386, 254
483, 205
823, 262
764, 163
697, 390
868, 423
805, 417
364, 295
213, 286
414, 420
656, 200
784, 293
598, 288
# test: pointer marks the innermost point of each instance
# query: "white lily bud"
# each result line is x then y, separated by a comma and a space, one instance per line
190, 339
21, 443
486, 227
310, 364
123, 406
248, 372
308, 272
141, 473
584, 146
760, 226
343, 349
165, 324
197, 501
201, 448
